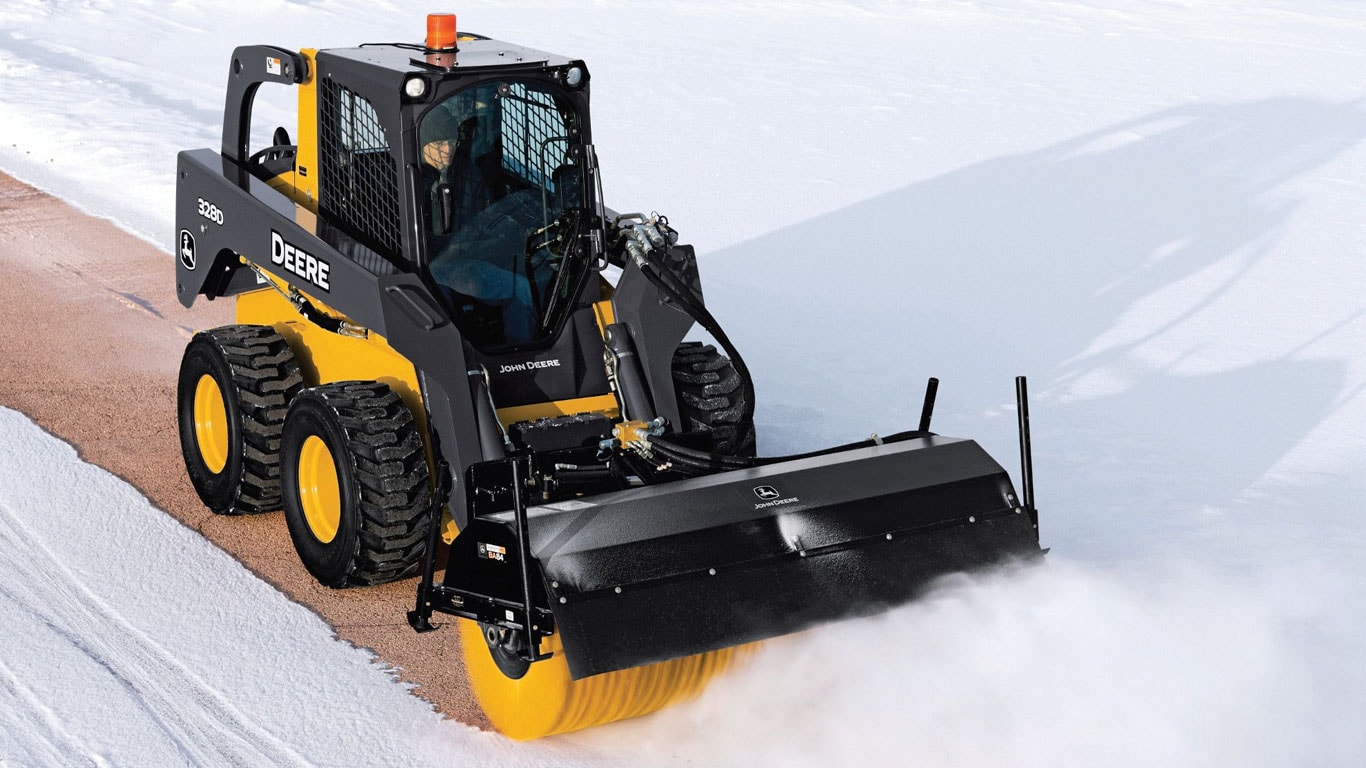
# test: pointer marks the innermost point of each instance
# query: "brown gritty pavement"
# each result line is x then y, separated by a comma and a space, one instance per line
91, 335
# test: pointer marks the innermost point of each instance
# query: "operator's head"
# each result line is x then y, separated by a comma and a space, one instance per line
440, 132
438, 153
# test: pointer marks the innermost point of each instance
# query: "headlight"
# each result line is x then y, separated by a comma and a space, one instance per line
415, 87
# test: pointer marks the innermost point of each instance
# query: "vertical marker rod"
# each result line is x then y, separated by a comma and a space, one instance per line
533, 640
1026, 454
931, 389
420, 617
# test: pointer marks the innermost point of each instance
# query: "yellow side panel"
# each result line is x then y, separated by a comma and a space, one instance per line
284, 183
326, 357
306, 158
605, 315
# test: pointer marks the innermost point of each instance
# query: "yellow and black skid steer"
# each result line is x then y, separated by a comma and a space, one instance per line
453, 362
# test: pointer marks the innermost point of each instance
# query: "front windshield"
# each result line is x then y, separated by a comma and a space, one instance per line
504, 197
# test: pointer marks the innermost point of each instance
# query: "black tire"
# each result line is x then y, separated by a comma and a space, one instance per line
256, 376
381, 471
711, 398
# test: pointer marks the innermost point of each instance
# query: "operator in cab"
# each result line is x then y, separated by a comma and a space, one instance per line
484, 209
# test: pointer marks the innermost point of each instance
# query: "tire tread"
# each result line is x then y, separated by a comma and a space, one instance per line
390, 460
711, 398
265, 378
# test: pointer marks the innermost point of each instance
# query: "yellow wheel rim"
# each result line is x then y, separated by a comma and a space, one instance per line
211, 424
547, 701
319, 489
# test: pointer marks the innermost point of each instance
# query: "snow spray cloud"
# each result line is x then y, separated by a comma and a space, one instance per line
1051, 666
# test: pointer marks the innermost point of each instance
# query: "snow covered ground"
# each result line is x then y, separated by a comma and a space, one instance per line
129, 640
1151, 208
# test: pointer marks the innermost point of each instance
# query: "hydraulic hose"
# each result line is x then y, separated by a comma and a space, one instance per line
702, 461
683, 296
690, 457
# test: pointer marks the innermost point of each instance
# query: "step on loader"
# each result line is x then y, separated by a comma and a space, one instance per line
452, 362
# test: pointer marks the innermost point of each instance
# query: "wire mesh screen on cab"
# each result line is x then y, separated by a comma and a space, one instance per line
358, 190
533, 134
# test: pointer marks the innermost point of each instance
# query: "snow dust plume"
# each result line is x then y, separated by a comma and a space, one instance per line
1053, 666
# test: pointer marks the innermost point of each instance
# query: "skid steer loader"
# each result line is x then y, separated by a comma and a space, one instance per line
453, 361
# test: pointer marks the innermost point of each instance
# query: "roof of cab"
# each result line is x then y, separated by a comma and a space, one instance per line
471, 54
